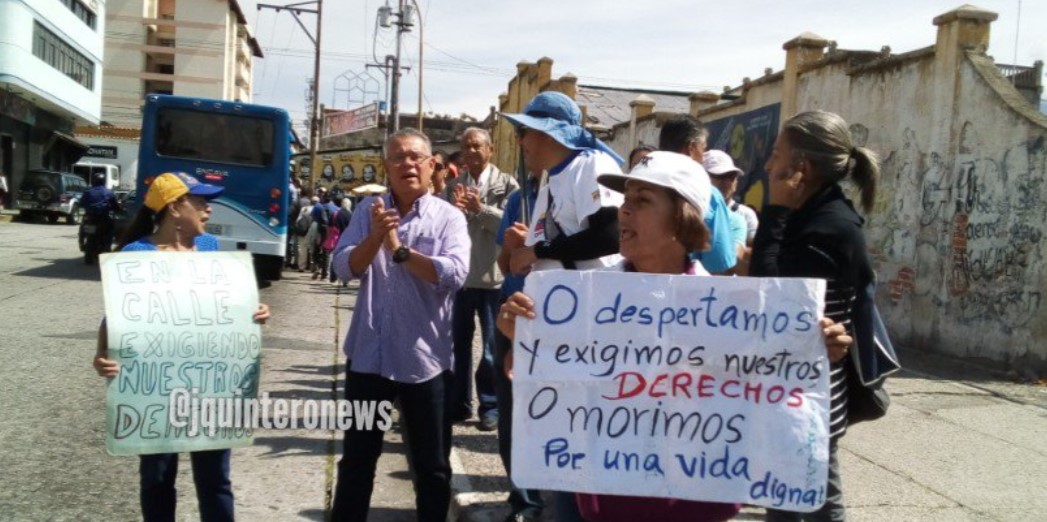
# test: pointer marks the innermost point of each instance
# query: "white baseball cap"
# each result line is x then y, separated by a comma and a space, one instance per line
718, 163
672, 171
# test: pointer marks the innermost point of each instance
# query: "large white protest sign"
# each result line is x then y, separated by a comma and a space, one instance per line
698, 388
179, 323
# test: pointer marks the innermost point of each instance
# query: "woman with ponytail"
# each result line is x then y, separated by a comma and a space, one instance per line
172, 218
810, 229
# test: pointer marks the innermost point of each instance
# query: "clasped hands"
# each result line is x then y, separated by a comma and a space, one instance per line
467, 199
384, 224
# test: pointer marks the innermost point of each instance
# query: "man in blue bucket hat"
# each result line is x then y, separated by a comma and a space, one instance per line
574, 224
575, 220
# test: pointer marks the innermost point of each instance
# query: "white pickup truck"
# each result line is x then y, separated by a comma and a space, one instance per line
87, 170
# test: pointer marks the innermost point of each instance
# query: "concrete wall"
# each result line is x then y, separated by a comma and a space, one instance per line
959, 235
957, 227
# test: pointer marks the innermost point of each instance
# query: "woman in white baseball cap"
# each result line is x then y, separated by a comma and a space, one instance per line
661, 220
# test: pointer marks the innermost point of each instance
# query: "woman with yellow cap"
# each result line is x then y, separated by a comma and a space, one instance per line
172, 218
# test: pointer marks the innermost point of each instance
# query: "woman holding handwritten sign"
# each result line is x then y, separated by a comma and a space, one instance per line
172, 219
666, 197
810, 229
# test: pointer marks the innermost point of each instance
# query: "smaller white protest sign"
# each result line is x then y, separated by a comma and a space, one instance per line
697, 388
180, 326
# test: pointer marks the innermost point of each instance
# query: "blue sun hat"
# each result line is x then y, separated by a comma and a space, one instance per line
555, 114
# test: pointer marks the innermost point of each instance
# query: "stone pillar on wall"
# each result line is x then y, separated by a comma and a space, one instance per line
701, 101
569, 85
639, 107
545, 71
799, 52
962, 29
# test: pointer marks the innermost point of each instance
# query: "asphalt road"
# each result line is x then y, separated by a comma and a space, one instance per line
53, 464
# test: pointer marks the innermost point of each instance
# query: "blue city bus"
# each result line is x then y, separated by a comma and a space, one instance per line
239, 146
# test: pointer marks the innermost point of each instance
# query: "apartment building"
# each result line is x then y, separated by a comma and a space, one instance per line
50, 82
186, 47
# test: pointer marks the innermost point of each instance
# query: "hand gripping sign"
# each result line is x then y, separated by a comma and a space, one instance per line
698, 388
180, 324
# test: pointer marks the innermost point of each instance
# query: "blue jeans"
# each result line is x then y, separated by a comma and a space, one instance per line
525, 501
427, 435
467, 303
214, 491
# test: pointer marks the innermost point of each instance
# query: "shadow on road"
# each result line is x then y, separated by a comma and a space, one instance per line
1009, 385
375, 514
63, 269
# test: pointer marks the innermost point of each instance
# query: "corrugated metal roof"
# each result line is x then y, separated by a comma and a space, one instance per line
610, 105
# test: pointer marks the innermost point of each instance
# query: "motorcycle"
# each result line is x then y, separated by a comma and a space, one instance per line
96, 237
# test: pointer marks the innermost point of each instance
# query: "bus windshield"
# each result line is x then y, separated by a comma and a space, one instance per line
220, 138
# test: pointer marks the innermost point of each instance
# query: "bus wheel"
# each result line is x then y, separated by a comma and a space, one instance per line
269, 268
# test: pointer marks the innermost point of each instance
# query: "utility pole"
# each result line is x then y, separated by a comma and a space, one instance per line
404, 20
421, 70
314, 128
394, 102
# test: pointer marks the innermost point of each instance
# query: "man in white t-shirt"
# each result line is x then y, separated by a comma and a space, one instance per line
574, 223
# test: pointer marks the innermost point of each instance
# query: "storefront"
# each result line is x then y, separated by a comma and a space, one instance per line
32, 138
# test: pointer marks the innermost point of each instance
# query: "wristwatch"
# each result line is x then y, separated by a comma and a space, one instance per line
401, 254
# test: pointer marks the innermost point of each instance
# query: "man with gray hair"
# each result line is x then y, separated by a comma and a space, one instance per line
480, 192
410, 251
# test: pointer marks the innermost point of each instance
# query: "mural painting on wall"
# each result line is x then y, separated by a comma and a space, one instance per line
344, 171
961, 239
748, 137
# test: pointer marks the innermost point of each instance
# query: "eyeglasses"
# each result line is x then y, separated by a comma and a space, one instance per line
401, 159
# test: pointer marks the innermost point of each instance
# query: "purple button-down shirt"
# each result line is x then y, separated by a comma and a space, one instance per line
401, 327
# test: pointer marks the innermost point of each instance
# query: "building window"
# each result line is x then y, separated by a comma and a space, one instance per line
48, 47
81, 11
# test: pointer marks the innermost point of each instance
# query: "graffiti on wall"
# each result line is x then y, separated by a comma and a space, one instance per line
961, 236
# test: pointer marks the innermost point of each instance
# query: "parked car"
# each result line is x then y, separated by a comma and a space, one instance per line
51, 194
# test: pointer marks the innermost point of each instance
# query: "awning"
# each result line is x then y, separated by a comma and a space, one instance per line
69, 140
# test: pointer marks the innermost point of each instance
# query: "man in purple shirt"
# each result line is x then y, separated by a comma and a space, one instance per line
410, 251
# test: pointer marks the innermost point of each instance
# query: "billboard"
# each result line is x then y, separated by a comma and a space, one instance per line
344, 122
748, 137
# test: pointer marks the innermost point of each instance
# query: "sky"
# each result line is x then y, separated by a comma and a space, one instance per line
471, 47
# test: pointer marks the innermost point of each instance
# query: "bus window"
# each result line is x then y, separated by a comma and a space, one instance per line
219, 138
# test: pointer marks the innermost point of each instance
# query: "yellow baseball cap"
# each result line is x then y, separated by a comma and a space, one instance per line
169, 186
